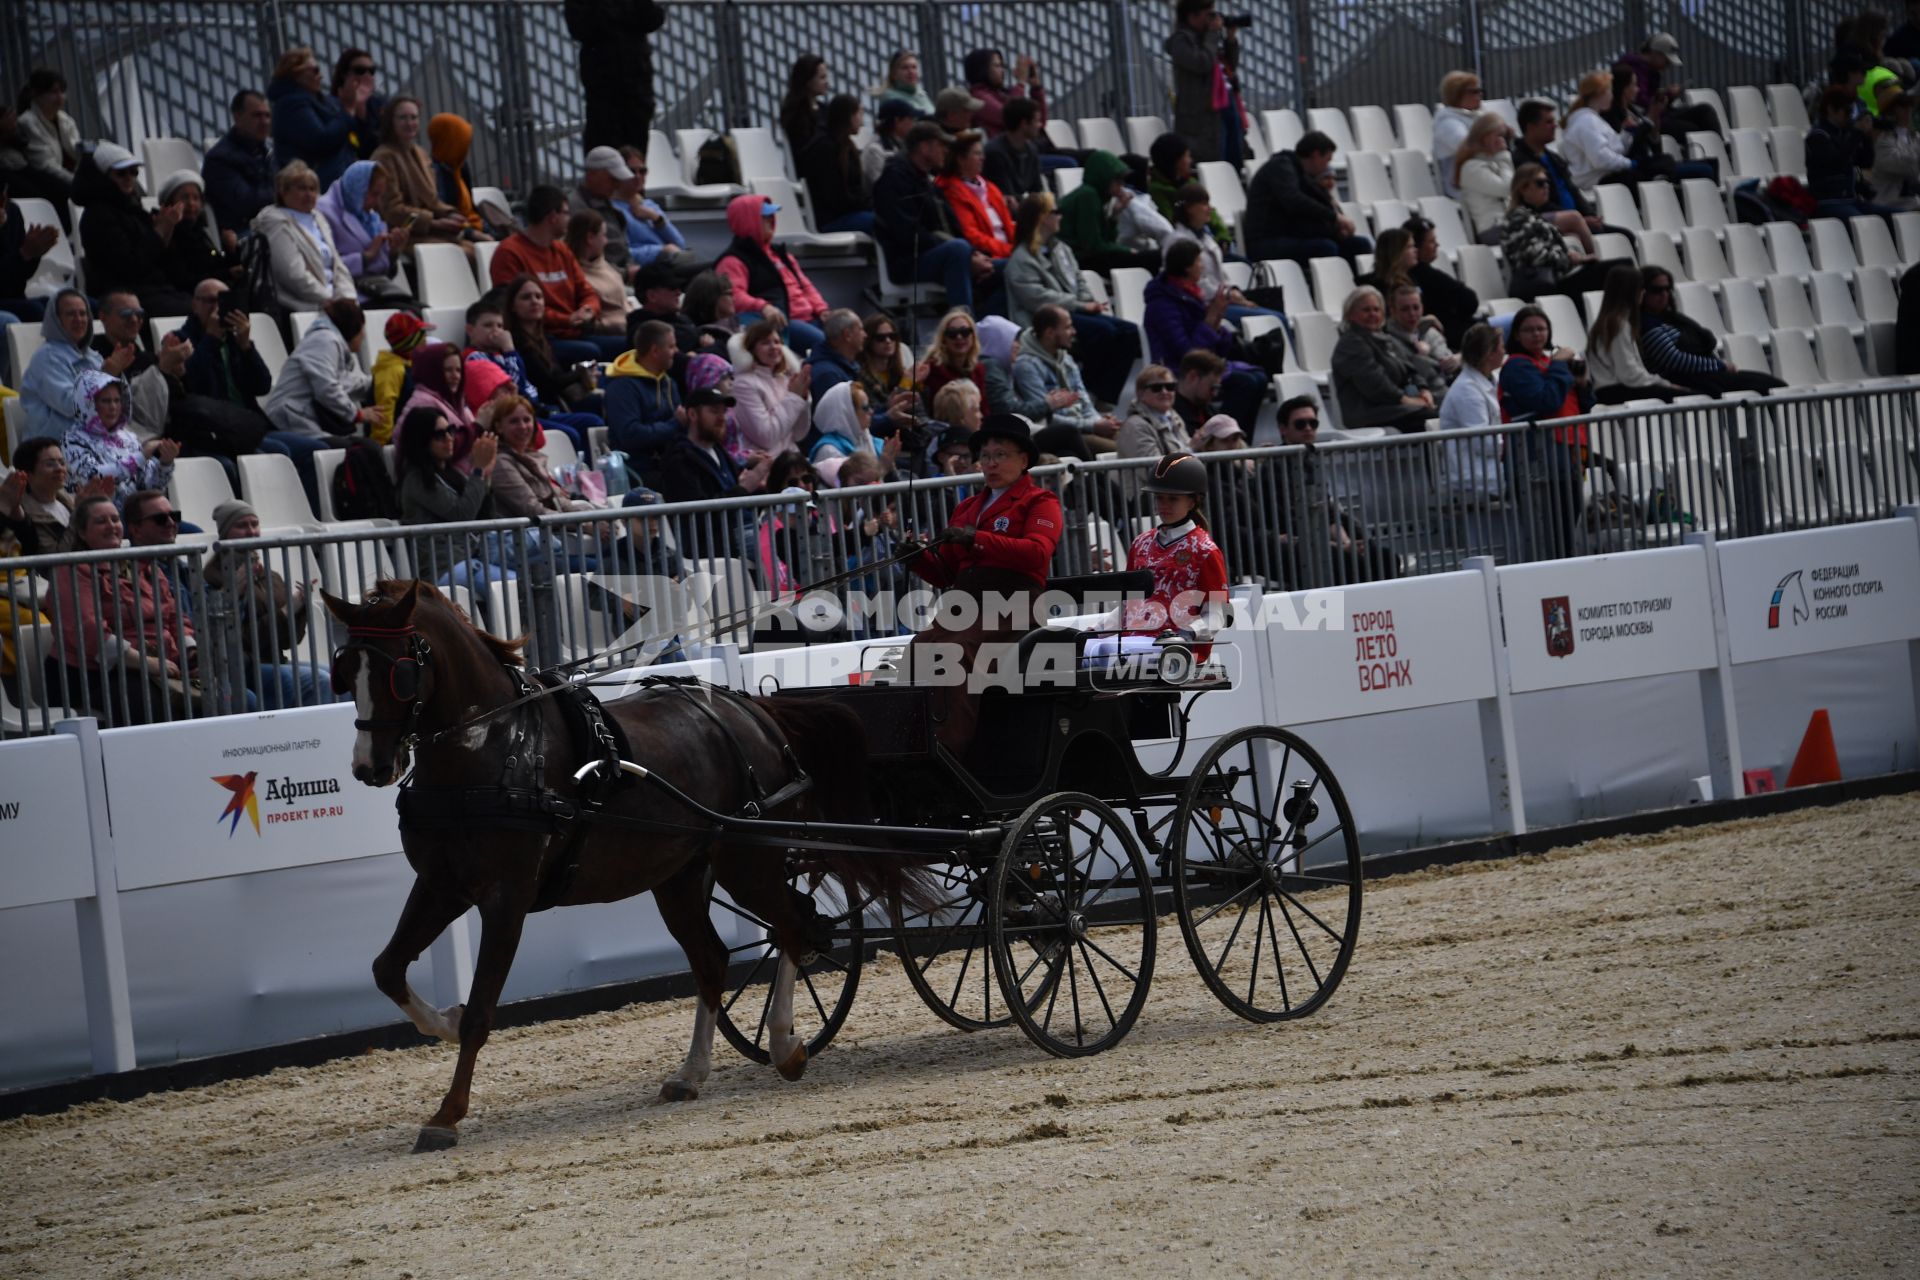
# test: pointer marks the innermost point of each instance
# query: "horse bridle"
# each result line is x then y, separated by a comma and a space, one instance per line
405, 672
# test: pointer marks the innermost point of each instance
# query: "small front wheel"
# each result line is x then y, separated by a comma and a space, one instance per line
1071, 919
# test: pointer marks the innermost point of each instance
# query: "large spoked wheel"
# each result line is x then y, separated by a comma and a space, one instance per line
824, 988
1265, 864
1071, 920
946, 951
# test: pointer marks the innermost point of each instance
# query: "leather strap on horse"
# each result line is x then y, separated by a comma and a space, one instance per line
798, 782
595, 734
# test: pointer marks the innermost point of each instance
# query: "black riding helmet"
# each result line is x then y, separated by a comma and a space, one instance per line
1010, 427
1178, 473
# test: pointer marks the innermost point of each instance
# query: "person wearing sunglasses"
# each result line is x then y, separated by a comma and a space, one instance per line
1538, 259
996, 549
353, 88
1461, 100
1152, 429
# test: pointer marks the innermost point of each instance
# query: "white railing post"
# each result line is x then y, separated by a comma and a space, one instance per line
103, 947
1504, 794
1716, 685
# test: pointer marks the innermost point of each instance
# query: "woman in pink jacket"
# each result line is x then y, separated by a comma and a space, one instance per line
765, 277
771, 406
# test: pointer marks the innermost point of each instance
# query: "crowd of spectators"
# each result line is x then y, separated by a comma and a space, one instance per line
735, 375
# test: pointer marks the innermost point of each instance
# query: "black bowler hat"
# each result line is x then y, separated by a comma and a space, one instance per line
1010, 427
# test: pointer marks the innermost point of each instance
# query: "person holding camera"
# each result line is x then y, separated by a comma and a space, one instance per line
1201, 48
1200, 93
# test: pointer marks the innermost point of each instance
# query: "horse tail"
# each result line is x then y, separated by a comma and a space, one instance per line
829, 742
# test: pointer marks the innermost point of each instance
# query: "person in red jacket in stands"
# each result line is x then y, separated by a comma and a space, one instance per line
994, 553
978, 205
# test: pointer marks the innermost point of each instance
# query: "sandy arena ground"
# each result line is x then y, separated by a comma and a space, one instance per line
1693, 1052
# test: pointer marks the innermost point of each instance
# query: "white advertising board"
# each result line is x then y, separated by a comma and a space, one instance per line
1794, 593
45, 852
1386, 646
1598, 618
240, 794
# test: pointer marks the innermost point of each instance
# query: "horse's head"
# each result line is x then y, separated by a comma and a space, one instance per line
386, 664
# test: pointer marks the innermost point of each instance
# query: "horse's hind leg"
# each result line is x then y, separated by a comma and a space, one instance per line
682, 900
428, 911
500, 927
757, 881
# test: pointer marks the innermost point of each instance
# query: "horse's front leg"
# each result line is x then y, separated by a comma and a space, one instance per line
429, 910
682, 900
500, 926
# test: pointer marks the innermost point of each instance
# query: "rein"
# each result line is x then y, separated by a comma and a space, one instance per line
563, 671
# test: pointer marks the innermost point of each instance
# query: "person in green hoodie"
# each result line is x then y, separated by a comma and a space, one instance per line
1087, 227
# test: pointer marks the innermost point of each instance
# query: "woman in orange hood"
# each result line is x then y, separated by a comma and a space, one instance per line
452, 138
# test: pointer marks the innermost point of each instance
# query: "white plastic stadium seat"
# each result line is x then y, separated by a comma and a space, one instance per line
1097, 133
267, 341
794, 226
1222, 182
1368, 177
1748, 108
1789, 250
667, 180
1066, 179
1833, 302
1906, 229
1696, 302
1832, 246
483, 252
1878, 302
1710, 98
375, 339
1839, 358
1617, 208
1141, 132
1705, 259
1793, 361
1283, 128
1332, 282
759, 154
1372, 129
445, 277
325, 463
1568, 331
1789, 150
1317, 333
1706, 206
303, 321
1747, 251
494, 200
271, 486
1332, 121
1130, 293
1789, 109
1480, 273
23, 340
1662, 249
1752, 158
1292, 279
1061, 134
1790, 307
1414, 120
1875, 242
198, 486
164, 156
1746, 308
1660, 204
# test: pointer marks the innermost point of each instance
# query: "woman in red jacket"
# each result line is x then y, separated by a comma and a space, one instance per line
994, 555
978, 206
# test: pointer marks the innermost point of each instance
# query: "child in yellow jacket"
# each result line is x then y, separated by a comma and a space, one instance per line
405, 333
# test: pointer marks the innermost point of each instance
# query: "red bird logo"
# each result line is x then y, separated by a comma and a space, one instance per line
242, 802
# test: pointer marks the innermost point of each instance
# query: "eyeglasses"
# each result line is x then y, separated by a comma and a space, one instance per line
1000, 455
1305, 424
131, 313
362, 69
958, 333
439, 433
1537, 182
883, 337
161, 517
1162, 386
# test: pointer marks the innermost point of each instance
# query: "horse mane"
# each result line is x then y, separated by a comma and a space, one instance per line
506, 652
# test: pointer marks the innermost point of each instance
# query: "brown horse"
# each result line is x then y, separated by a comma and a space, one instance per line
421, 676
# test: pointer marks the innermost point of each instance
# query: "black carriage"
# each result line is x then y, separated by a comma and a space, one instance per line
1056, 847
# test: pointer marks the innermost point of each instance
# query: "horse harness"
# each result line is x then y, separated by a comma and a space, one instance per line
520, 801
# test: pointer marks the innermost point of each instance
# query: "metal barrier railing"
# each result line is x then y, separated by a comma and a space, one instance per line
167, 67
85, 626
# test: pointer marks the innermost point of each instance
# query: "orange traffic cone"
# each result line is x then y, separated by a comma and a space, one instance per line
1816, 761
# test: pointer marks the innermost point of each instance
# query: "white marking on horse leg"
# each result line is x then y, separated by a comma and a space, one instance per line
788, 1050
443, 1023
684, 1084
363, 710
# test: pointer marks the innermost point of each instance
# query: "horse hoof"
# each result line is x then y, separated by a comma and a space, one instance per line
434, 1138
794, 1065
678, 1091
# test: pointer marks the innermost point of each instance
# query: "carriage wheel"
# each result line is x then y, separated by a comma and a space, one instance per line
1266, 875
823, 989
946, 951
1071, 920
